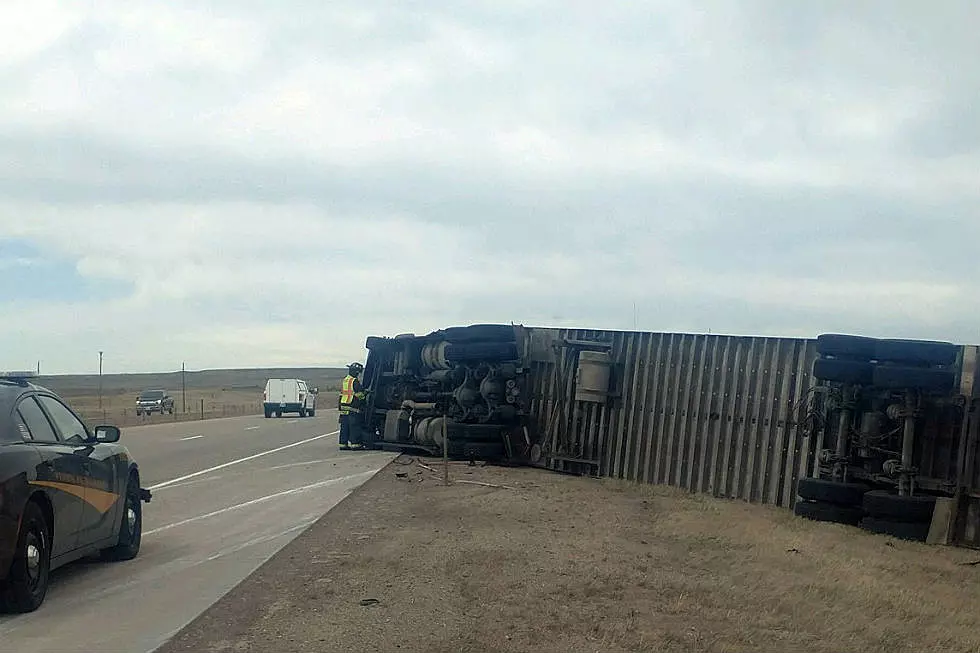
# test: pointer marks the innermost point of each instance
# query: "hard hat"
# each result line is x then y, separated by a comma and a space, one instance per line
355, 368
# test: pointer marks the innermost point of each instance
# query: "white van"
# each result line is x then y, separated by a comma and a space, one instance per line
288, 396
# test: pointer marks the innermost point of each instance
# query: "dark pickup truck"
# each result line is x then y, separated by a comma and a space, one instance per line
154, 401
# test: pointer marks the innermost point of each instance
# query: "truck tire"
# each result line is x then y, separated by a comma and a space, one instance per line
480, 333
843, 371
916, 352
302, 413
846, 346
832, 492
484, 351
913, 378
828, 512
374, 342
882, 504
897, 529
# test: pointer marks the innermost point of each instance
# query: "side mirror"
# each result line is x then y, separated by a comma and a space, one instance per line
106, 434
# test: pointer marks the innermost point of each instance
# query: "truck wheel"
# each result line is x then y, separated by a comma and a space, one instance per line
302, 413
892, 507
900, 530
828, 512
27, 582
843, 371
480, 333
267, 413
916, 352
312, 412
494, 351
131, 529
827, 491
846, 346
918, 378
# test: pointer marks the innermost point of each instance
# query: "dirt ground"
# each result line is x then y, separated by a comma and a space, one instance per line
566, 564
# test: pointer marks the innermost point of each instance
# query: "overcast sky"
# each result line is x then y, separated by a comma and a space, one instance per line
244, 183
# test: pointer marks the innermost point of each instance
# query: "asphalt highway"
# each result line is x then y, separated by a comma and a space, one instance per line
227, 494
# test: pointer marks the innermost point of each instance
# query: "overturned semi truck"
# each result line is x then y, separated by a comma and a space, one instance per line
882, 434
465, 386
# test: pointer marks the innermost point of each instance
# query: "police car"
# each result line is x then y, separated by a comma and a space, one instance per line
67, 491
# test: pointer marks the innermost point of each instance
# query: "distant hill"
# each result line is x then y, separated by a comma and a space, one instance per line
324, 378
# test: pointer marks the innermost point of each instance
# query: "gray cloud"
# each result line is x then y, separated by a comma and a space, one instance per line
749, 167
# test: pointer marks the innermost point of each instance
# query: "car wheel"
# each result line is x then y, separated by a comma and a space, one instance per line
131, 529
27, 583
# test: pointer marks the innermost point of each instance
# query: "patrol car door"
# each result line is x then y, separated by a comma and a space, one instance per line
60, 474
101, 496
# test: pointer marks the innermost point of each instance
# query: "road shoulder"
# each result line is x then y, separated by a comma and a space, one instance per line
546, 562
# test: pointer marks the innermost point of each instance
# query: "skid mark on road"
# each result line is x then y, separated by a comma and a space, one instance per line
253, 502
239, 461
316, 462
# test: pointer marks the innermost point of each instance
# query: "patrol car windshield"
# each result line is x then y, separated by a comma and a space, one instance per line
152, 394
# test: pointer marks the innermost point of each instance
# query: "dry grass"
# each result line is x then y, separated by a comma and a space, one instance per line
569, 564
120, 409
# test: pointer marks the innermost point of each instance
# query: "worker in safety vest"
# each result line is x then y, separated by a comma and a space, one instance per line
351, 402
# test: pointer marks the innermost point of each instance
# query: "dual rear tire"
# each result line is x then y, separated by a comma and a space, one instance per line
875, 511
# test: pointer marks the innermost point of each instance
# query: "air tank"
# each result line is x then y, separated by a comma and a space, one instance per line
592, 376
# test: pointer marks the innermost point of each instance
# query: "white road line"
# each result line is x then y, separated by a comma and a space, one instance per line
292, 421
191, 437
252, 428
270, 497
208, 479
240, 460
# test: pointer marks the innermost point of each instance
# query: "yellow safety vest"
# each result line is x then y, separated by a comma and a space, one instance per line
347, 395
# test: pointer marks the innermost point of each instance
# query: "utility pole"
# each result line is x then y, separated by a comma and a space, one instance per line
183, 384
100, 380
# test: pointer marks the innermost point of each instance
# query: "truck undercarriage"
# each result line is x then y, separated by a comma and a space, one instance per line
464, 388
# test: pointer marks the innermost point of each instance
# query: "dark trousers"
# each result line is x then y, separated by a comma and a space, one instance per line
351, 428
344, 429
